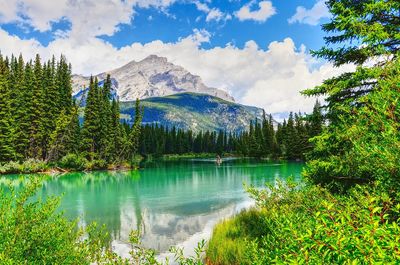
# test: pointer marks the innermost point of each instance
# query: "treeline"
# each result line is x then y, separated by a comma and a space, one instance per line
289, 140
33, 98
160, 140
40, 120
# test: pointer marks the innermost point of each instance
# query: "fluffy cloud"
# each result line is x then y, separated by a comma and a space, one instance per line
213, 14
8, 11
310, 16
88, 18
265, 11
269, 77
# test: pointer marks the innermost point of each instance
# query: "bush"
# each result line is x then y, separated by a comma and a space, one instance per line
31, 232
34, 232
96, 164
73, 161
28, 166
311, 225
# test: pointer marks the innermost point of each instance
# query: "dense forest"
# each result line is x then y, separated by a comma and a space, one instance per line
39, 120
289, 140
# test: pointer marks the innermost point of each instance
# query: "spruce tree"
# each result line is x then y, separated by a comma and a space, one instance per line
134, 135
91, 123
116, 133
105, 119
316, 120
364, 33
7, 151
36, 132
22, 107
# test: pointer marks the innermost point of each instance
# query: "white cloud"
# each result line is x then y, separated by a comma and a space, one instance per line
269, 77
213, 14
88, 18
310, 16
8, 11
265, 11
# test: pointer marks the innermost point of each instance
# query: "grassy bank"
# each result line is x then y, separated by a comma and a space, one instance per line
310, 225
197, 155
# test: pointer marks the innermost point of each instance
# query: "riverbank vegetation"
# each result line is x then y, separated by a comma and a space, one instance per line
299, 225
348, 211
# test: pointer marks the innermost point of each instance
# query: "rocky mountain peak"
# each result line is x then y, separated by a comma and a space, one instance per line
153, 76
155, 58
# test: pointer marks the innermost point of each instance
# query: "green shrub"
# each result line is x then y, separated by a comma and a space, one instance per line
73, 161
96, 164
310, 225
34, 232
28, 166
31, 232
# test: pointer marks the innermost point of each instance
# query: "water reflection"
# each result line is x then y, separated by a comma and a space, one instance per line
171, 202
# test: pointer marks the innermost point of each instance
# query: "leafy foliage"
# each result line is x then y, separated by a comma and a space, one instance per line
307, 224
33, 231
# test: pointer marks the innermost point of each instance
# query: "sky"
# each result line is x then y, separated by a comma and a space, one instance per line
258, 51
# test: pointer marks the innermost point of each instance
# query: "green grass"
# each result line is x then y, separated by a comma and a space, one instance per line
229, 239
188, 156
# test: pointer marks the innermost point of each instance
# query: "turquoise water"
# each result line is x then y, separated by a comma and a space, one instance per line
172, 203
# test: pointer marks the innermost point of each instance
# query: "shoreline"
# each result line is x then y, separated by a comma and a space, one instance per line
42, 167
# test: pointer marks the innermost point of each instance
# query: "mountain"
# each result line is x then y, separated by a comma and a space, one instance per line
152, 77
198, 112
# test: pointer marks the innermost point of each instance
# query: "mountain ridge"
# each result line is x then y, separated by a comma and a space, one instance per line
153, 76
194, 111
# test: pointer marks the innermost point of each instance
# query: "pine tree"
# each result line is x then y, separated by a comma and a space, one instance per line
134, 135
220, 143
36, 131
64, 85
91, 123
116, 133
65, 137
23, 77
358, 32
7, 151
316, 120
105, 119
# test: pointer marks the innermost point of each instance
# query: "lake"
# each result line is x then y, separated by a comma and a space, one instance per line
171, 202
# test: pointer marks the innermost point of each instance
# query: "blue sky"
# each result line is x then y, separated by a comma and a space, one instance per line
178, 20
256, 50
